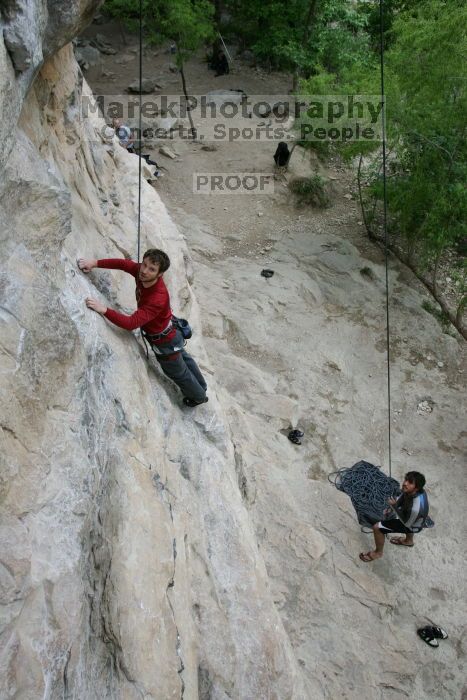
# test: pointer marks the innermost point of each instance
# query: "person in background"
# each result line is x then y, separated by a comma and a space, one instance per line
127, 141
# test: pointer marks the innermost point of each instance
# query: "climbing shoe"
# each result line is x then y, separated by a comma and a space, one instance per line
295, 435
425, 634
295, 440
192, 403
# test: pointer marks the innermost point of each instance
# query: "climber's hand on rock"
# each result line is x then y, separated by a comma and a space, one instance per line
86, 264
95, 305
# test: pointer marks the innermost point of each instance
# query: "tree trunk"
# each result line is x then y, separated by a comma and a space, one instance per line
312, 8
360, 197
295, 79
411, 251
121, 27
431, 285
217, 13
194, 133
216, 44
434, 280
454, 318
460, 312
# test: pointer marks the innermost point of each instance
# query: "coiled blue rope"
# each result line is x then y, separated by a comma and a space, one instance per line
368, 488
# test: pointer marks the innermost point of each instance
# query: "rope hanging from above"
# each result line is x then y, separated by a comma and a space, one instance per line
386, 239
367, 486
140, 123
138, 254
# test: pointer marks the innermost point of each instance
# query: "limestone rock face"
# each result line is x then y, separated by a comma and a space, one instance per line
129, 567
148, 85
87, 56
32, 31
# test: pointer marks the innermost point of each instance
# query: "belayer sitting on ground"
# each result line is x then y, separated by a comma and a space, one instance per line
154, 317
127, 141
409, 513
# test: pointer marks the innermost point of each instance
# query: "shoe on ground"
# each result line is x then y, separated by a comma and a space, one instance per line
192, 403
294, 436
426, 634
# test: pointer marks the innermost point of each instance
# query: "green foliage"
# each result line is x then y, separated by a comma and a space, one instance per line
390, 10
322, 149
186, 22
342, 42
310, 190
127, 12
426, 123
273, 17
301, 34
425, 116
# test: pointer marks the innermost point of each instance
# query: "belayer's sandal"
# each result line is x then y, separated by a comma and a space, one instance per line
430, 635
427, 637
366, 557
437, 632
399, 541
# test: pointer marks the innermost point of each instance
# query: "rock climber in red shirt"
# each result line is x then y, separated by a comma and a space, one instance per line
154, 317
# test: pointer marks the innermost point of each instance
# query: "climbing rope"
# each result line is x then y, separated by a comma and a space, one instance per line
369, 489
367, 486
385, 228
140, 144
140, 123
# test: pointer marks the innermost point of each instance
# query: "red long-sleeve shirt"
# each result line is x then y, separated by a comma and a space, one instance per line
153, 314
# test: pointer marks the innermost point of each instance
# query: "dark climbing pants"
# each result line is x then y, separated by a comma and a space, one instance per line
183, 370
